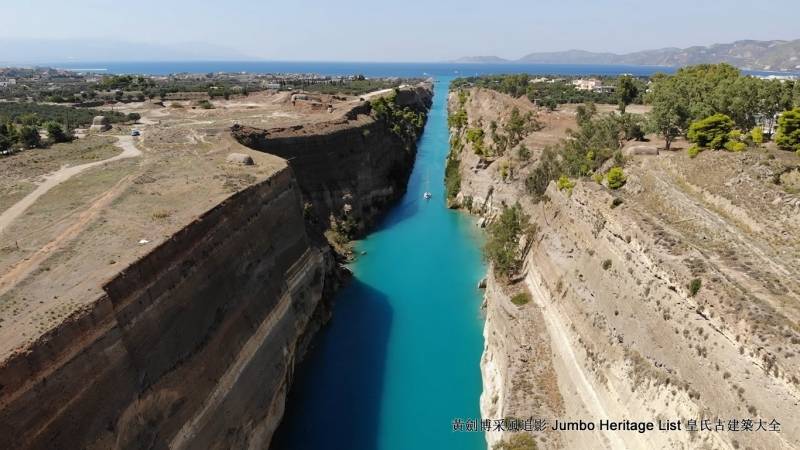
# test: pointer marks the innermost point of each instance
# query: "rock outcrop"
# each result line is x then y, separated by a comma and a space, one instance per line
100, 124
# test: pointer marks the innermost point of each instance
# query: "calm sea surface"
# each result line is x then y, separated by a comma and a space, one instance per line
349, 68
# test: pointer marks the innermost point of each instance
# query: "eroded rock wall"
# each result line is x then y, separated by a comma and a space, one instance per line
613, 313
191, 346
352, 167
195, 344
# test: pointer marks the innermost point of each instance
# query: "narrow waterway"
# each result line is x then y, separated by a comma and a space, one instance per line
400, 358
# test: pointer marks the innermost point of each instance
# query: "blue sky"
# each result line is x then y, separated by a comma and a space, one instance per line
406, 30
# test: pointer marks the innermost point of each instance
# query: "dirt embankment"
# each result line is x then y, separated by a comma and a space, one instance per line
174, 310
614, 319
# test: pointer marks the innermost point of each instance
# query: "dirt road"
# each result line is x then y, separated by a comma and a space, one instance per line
52, 180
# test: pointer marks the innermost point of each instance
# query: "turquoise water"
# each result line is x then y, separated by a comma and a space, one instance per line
400, 358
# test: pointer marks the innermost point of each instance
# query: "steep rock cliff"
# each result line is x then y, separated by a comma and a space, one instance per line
349, 168
194, 344
674, 297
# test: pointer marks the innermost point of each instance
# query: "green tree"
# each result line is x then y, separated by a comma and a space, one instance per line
670, 113
584, 113
771, 99
56, 133
134, 117
788, 135
711, 132
516, 127
29, 136
796, 94
503, 236
626, 92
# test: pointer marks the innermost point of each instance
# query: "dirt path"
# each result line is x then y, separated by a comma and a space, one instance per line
52, 180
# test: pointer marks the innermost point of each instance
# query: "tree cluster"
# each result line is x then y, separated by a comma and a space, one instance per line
502, 246
699, 92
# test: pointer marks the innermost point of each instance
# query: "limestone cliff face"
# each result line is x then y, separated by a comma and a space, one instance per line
613, 329
191, 346
352, 167
195, 344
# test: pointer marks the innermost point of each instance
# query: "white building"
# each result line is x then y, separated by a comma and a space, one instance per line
586, 84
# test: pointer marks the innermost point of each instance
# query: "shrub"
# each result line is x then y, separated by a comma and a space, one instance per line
606, 264
521, 299
757, 135
502, 243
56, 133
735, 146
205, 104
616, 202
475, 137
29, 136
788, 136
694, 150
565, 183
616, 178
452, 177
458, 120
519, 441
694, 286
711, 132
523, 153
134, 117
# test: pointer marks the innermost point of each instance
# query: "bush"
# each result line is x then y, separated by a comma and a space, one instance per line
519, 441
694, 150
452, 176
711, 132
757, 135
521, 299
134, 117
788, 136
694, 286
616, 178
616, 202
735, 146
29, 136
34, 114
56, 133
565, 183
502, 244
205, 104
606, 264
523, 153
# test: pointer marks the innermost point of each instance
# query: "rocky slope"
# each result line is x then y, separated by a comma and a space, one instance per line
193, 345
614, 330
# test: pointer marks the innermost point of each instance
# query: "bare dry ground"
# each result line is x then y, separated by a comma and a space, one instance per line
56, 255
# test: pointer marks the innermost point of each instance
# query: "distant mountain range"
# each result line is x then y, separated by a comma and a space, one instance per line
42, 51
755, 55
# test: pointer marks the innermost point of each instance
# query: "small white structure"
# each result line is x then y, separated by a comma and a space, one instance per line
100, 124
586, 84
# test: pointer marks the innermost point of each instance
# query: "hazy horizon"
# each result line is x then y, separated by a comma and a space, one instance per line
356, 31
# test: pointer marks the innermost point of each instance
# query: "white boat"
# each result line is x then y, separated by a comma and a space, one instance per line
427, 193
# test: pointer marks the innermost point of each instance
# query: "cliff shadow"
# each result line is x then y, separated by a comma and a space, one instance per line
335, 400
